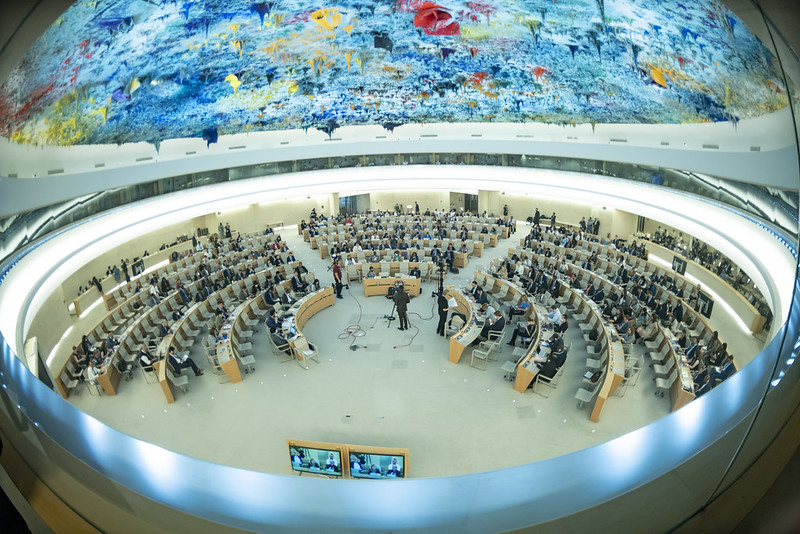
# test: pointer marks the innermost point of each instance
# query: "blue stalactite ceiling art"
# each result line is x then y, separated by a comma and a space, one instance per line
111, 71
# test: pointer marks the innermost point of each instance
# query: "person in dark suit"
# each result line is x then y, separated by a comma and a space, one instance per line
556, 344
492, 325
164, 329
272, 322
184, 295
599, 295
401, 300
443, 308
549, 368
481, 297
177, 363
473, 291
524, 329
298, 283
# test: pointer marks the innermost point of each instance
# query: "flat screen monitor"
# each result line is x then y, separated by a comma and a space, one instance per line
316, 457
137, 267
382, 463
678, 265
704, 304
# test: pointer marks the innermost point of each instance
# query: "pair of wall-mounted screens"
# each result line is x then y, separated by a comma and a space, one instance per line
354, 461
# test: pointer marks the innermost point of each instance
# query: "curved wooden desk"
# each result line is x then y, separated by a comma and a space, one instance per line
302, 311
380, 286
472, 327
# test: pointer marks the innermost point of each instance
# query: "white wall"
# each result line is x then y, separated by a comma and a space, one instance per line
88, 169
386, 200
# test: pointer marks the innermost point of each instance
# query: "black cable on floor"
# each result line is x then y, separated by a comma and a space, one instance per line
415, 328
354, 331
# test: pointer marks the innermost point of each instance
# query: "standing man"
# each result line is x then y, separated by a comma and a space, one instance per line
337, 278
536, 217
443, 307
401, 301
125, 270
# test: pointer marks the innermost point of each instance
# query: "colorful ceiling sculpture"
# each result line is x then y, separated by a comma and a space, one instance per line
118, 71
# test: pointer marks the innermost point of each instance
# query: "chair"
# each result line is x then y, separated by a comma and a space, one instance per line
181, 381
149, 371
586, 395
663, 370
581, 317
510, 369
599, 363
247, 360
216, 368
73, 372
248, 320
590, 349
653, 345
69, 382
93, 386
456, 324
589, 325
480, 354
123, 368
353, 273
659, 356
548, 383
281, 347
663, 385
493, 342
304, 351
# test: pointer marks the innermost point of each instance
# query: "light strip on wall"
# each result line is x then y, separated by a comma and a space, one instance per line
106, 232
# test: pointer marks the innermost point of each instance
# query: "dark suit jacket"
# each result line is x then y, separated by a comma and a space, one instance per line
498, 325
401, 300
549, 369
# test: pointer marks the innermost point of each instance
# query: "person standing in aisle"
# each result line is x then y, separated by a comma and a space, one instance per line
443, 306
337, 278
401, 301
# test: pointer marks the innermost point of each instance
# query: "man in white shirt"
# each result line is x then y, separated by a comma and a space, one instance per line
92, 372
331, 463
555, 315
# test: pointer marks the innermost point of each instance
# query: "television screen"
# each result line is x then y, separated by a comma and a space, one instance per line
679, 265
378, 462
704, 304
137, 268
314, 457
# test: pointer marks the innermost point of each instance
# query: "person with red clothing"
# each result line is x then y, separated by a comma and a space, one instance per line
337, 277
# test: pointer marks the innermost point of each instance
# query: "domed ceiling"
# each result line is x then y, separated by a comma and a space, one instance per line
118, 71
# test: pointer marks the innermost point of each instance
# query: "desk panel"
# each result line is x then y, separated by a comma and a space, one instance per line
471, 328
380, 286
